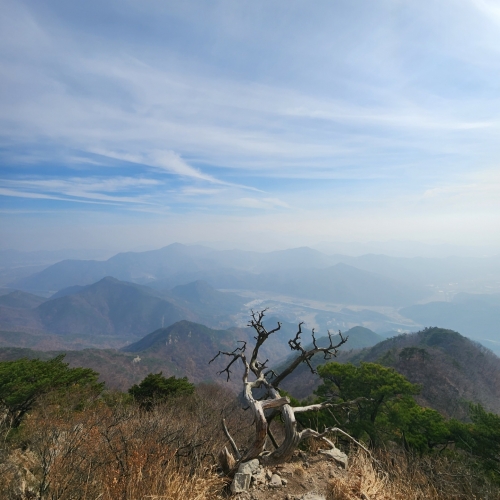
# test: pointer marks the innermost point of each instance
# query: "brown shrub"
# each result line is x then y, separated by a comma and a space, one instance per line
399, 476
121, 452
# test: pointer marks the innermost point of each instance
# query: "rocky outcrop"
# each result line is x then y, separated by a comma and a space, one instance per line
305, 477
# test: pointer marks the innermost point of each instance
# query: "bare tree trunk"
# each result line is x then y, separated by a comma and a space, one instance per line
290, 443
267, 379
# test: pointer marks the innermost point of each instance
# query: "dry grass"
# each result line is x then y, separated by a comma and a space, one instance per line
163, 481
118, 452
397, 476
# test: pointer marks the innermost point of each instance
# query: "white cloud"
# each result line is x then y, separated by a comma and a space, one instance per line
391, 107
39, 196
166, 160
73, 189
170, 113
195, 191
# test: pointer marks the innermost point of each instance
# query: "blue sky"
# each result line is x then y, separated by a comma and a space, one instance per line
133, 124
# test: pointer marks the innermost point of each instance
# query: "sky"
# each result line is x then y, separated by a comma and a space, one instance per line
256, 124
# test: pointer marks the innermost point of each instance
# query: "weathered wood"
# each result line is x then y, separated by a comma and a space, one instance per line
292, 439
226, 460
231, 440
275, 403
269, 381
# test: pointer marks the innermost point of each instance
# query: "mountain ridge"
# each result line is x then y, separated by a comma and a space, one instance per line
451, 368
303, 272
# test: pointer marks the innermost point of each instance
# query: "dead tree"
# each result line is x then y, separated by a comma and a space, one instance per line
257, 376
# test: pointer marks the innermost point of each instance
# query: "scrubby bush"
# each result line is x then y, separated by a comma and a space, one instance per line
117, 450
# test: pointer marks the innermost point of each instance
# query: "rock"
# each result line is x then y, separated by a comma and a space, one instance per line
312, 496
259, 477
268, 474
18, 473
275, 481
241, 482
284, 482
250, 467
339, 456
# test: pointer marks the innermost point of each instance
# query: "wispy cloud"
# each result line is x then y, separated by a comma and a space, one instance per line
490, 8
194, 191
332, 113
79, 189
164, 114
40, 196
166, 160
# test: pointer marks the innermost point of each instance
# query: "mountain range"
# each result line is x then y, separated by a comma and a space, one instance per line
180, 264
185, 282
181, 349
112, 308
300, 272
451, 369
170, 309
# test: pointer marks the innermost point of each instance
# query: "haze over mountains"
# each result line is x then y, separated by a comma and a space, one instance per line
276, 271
173, 309
112, 308
132, 294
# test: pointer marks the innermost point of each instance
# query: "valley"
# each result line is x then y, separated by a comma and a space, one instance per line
434, 323
149, 316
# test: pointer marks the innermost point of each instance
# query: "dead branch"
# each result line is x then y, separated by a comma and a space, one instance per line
272, 401
308, 433
327, 404
305, 356
231, 440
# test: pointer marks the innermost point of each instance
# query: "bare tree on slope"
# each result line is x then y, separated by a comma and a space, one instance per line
257, 376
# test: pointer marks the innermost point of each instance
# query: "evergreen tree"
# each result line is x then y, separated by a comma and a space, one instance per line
156, 388
373, 387
24, 381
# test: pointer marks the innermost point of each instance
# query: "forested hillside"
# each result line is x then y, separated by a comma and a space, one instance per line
451, 369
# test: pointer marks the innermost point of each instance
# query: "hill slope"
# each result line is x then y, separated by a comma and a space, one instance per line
451, 368
183, 349
301, 383
475, 315
186, 347
108, 307
21, 300
215, 308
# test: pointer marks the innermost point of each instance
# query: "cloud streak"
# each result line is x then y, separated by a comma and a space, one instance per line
272, 109
86, 190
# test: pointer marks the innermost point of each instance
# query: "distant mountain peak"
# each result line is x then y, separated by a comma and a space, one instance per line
21, 300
